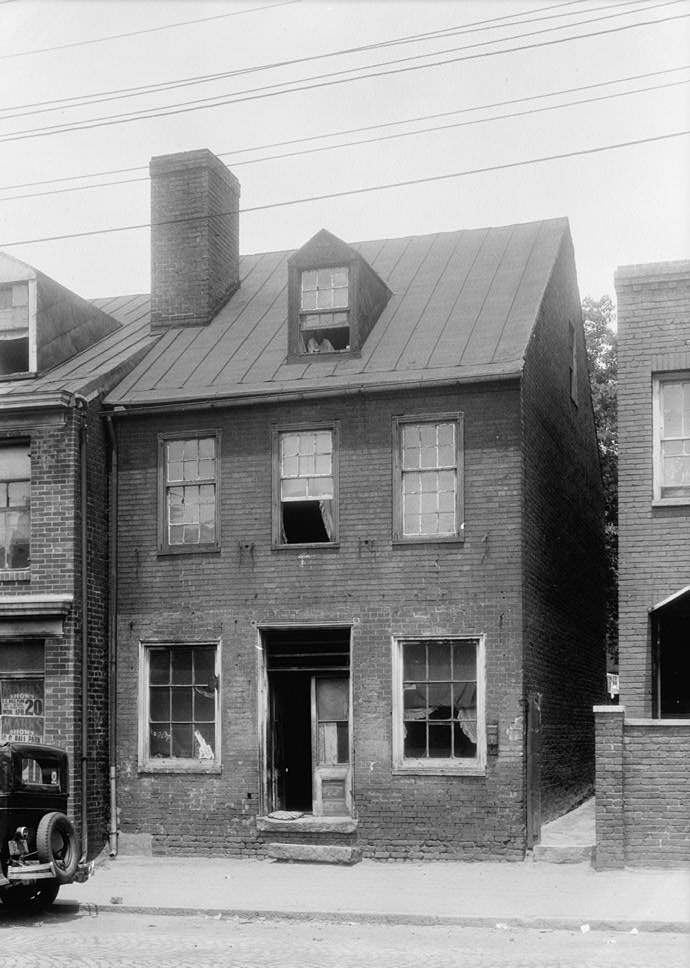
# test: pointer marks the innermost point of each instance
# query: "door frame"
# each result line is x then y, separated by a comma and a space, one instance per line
263, 721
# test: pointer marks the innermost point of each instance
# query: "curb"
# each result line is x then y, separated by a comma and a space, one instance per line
363, 917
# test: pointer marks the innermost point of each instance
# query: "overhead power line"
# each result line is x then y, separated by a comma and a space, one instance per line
143, 30
98, 97
334, 78
429, 179
348, 131
377, 139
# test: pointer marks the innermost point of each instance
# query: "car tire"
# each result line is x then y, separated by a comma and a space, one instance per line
30, 897
56, 843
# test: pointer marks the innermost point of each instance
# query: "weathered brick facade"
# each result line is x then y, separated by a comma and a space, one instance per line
643, 812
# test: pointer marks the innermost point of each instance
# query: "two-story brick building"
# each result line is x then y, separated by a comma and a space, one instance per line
643, 746
58, 354
359, 538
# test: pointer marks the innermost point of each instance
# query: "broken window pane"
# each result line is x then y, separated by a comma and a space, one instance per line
182, 701
332, 699
438, 713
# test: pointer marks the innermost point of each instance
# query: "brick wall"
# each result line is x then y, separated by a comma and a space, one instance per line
653, 336
643, 791
563, 550
194, 237
56, 569
463, 588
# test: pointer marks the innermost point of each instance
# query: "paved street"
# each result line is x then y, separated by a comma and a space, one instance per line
101, 941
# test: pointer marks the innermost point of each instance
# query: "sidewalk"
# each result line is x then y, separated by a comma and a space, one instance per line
477, 894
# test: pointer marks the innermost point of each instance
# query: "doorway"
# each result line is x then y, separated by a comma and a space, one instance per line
308, 721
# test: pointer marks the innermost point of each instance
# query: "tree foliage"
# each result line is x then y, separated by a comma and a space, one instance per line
599, 317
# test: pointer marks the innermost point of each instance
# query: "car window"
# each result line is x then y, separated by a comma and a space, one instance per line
38, 774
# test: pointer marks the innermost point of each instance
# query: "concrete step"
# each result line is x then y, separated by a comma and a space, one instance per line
563, 853
315, 853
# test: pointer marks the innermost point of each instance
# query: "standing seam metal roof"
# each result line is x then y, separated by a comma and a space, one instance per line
463, 306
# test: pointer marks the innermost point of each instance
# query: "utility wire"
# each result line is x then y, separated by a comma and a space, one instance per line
358, 191
145, 30
349, 131
332, 78
376, 139
98, 97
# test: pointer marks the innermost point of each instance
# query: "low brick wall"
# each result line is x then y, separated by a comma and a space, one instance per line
642, 790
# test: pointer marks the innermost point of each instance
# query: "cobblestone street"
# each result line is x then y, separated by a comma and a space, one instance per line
105, 940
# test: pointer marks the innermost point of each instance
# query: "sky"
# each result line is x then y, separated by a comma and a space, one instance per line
626, 205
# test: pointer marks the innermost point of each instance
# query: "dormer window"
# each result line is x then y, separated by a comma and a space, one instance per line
14, 328
334, 300
325, 310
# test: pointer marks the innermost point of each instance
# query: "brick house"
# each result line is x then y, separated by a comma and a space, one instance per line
643, 746
58, 353
359, 539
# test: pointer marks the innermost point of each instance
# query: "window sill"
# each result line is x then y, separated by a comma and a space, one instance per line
430, 539
171, 552
670, 502
20, 375
308, 546
308, 824
183, 766
437, 768
17, 574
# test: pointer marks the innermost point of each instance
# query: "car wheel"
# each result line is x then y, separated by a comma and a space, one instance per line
56, 842
30, 897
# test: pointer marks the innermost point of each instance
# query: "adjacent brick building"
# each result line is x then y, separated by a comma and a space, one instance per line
58, 353
643, 782
359, 539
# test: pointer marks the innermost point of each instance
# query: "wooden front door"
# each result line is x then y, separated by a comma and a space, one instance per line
330, 718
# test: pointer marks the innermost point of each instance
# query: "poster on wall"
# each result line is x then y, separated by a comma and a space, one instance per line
21, 710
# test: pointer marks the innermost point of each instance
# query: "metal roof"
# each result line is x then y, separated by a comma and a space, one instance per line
463, 307
100, 365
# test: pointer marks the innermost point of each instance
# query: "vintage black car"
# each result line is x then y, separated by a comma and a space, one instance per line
38, 845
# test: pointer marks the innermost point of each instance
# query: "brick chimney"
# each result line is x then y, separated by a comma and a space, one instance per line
195, 257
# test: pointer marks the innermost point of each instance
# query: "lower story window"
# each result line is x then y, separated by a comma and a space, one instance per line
439, 704
22, 692
179, 728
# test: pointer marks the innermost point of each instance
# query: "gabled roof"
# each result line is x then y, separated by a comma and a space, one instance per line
103, 363
463, 307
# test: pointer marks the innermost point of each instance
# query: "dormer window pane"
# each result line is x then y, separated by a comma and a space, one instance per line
14, 328
325, 289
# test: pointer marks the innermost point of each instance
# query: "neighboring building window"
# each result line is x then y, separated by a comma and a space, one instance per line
306, 507
14, 328
672, 440
179, 686
22, 692
15, 489
572, 366
190, 490
428, 478
439, 704
324, 316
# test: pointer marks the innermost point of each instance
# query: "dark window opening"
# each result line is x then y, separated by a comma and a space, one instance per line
14, 355
673, 663
305, 521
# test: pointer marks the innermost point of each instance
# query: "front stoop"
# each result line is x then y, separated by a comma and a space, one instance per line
314, 853
563, 853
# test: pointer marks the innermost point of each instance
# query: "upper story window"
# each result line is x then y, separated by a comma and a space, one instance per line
14, 328
427, 498
15, 490
305, 510
189, 491
672, 439
324, 317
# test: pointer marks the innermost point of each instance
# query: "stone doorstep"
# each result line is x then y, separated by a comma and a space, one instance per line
563, 853
314, 853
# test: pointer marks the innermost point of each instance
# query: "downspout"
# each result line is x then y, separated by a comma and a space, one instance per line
81, 404
112, 638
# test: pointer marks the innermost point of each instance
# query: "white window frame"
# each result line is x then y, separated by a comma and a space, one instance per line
657, 425
459, 766
148, 764
333, 427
